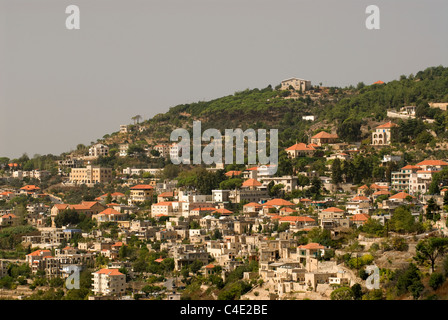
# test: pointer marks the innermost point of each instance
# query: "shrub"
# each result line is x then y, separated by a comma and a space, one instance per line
436, 280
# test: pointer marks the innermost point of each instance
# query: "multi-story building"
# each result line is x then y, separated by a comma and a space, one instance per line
400, 179
99, 150
109, 282
123, 149
187, 254
140, 193
382, 134
296, 83
90, 175
163, 149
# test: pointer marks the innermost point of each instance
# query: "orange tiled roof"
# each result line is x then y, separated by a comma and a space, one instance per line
110, 272
432, 163
379, 82
278, 202
325, 135
167, 194
381, 192
9, 215
401, 195
251, 183
164, 203
296, 219
387, 125
312, 245
252, 204
142, 187
38, 253
360, 198
300, 147
332, 209
233, 173
223, 211
110, 211
30, 187
360, 217
411, 167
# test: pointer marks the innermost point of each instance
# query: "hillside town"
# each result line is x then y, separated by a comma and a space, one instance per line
227, 232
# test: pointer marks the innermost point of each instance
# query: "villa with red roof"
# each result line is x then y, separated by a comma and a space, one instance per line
358, 204
88, 208
109, 282
299, 150
382, 134
140, 193
359, 219
109, 215
116, 196
165, 208
251, 184
9, 220
324, 138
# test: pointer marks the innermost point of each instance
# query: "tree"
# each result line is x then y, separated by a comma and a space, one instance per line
136, 118
350, 130
402, 221
430, 249
432, 210
336, 171
303, 181
409, 280
356, 291
343, 293
195, 266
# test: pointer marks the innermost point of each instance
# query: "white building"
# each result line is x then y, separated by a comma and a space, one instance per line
109, 282
98, 150
296, 83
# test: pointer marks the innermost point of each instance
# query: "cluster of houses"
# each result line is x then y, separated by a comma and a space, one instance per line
224, 234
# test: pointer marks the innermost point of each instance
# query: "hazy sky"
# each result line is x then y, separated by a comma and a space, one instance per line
62, 87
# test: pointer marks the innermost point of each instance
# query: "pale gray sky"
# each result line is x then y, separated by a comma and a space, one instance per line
62, 87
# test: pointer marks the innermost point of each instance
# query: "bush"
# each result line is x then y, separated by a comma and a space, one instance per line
343, 293
436, 280
399, 244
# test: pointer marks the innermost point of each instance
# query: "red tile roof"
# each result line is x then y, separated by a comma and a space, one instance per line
253, 204
401, 195
332, 209
110, 211
296, 219
233, 173
110, 272
311, 246
325, 135
300, 147
387, 125
360, 217
30, 187
432, 163
38, 253
142, 187
251, 183
278, 202
223, 211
